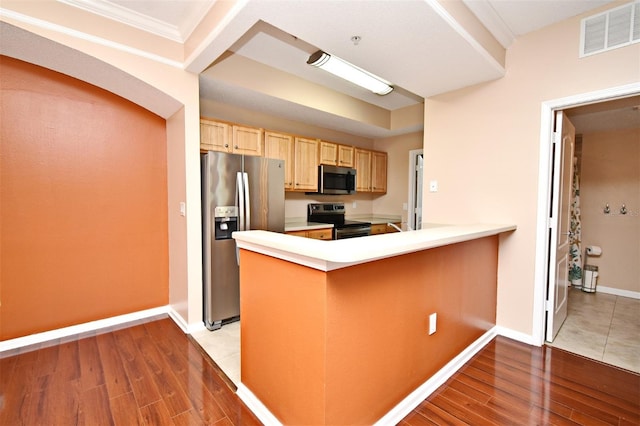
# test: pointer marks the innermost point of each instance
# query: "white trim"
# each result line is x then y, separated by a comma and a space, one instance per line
455, 25
516, 335
492, 20
39, 23
544, 183
618, 292
128, 17
416, 397
408, 404
80, 329
180, 322
257, 407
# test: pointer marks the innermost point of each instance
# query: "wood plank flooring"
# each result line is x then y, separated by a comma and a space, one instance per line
149, 374
510, 383
152, 374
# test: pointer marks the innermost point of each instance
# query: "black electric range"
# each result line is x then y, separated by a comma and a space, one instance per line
334, 213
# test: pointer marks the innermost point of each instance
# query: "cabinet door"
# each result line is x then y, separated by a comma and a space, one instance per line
379, 172
214, 136
345, 156
320, 234
380, 228
328, 153
247, 140
305, 176
297, 233
363, 170
280, 147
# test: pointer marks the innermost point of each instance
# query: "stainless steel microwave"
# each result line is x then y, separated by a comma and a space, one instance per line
336, 180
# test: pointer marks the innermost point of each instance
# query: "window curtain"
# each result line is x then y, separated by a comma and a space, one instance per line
575, 252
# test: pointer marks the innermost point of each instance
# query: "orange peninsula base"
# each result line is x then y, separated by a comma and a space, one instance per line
346, 346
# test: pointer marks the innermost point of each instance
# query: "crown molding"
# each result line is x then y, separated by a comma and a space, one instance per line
129, 17
491, 20
39, 23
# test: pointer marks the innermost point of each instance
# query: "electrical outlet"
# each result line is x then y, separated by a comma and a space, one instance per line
432, 323
433, 186
354, 205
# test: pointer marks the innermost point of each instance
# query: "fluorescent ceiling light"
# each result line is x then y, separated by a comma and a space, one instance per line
349, 72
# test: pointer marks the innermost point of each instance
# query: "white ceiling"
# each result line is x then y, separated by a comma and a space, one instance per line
407, 42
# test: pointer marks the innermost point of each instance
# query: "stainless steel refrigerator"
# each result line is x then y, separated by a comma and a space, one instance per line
238, 193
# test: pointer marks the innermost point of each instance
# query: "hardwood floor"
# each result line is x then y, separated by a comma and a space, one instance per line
155, 375
149, 374
510, 383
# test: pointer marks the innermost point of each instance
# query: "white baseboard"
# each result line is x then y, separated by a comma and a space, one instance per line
515, 335
416, 397
401, 410
180, 322
256, 406
618, 292
80, 329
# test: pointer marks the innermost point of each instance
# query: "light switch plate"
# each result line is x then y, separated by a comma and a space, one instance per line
433, 186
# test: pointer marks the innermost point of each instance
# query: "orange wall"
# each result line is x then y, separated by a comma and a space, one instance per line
83, 213
345, 347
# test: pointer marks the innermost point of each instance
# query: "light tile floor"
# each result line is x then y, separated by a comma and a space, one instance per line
223, 346
602, 326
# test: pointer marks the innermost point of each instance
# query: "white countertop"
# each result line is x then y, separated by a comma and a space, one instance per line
335, 254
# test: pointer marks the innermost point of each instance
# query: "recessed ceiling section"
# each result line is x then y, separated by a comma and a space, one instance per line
268, 45
250, 100
260, 83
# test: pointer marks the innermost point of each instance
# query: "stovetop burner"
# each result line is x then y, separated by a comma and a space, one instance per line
333, 213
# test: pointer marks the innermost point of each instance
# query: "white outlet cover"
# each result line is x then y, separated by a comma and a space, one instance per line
433, 186
433, 318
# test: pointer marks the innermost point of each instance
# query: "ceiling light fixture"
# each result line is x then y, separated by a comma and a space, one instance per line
349, 72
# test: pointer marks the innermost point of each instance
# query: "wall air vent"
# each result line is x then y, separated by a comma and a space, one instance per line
611, 29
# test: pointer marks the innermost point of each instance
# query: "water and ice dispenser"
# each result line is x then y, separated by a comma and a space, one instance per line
225, 222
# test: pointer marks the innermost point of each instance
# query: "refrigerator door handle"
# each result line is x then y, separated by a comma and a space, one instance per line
247, 203
240, 198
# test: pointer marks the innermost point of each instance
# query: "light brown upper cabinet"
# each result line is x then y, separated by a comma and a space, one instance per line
280, 146
305, 172
247, 140
225, 137
363, 170
328, 153
215, 136
379, 172
371, 167
345, 155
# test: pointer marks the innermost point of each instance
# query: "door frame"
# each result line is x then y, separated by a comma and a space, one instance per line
545, 182
413, 187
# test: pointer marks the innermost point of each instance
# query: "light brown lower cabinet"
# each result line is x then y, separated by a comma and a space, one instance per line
383, 228
318, 234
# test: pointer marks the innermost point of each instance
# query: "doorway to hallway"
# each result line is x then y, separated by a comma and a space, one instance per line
545, 280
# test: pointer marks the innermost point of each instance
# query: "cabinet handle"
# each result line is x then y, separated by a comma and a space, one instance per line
226, 145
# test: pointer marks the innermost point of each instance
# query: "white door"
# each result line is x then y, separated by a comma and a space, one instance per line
558, 278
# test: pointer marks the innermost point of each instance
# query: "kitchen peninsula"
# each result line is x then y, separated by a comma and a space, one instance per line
337, 332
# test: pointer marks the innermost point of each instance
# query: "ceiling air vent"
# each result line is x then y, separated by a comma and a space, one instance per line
611, 29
